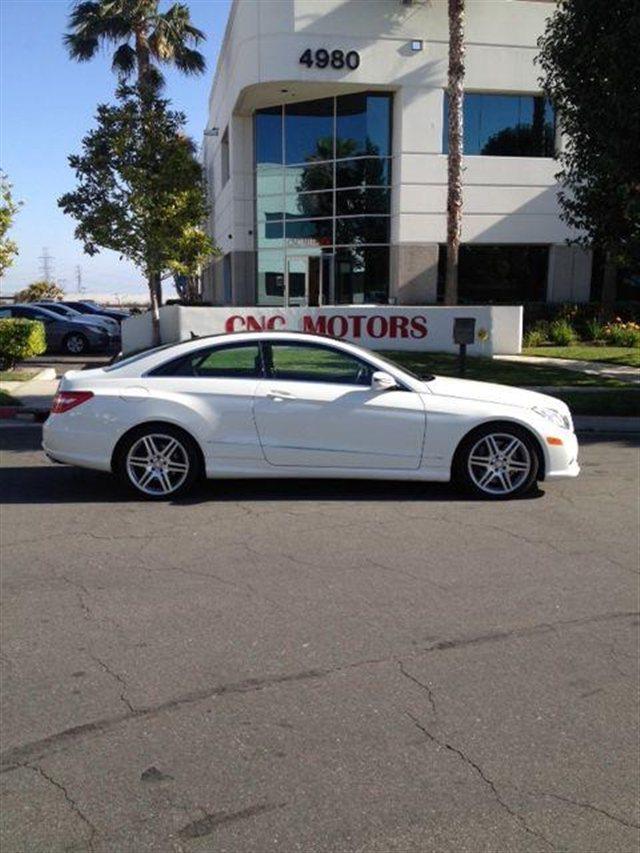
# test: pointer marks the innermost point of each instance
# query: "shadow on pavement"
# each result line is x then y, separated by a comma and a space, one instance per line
50, 483
56, 484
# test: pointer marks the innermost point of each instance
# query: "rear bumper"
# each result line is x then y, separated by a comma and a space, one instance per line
87, 449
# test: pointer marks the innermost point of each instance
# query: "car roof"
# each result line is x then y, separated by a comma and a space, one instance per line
33, 305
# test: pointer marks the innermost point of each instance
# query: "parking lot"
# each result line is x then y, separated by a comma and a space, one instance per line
304, 666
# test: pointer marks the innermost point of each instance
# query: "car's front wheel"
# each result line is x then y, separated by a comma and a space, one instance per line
497, 461
158, 462
76, 343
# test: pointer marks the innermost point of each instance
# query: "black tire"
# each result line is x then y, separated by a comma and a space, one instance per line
127, 471
75, 343
507, 478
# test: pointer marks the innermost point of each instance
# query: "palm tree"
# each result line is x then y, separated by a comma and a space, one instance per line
455, 131
145, 37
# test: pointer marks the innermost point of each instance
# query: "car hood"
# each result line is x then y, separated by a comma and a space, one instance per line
490, 392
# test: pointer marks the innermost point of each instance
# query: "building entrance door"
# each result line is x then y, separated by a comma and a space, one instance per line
309, 280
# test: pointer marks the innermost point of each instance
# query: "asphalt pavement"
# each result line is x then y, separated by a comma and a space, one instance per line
305, 666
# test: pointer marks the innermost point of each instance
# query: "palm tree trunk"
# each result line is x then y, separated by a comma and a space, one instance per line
609, 280
154, 288
455, 138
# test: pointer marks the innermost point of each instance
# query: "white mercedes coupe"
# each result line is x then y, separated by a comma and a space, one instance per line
281, 404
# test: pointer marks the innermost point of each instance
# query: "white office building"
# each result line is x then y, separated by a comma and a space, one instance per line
325, 156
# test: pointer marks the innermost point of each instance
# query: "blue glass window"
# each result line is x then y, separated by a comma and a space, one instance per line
308, 131
506, 125
269, 135
363, 125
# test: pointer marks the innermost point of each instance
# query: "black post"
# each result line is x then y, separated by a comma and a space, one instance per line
463, 359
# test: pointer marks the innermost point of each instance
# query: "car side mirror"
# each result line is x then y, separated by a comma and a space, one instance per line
381, 381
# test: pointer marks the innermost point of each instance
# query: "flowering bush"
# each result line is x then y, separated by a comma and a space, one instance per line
620, 334
562, 333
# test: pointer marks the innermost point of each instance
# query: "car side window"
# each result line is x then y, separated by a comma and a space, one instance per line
232, 362
311, 363
4, 313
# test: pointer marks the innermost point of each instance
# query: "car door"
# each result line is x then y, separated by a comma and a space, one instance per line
316, 408
52, 326
214, 386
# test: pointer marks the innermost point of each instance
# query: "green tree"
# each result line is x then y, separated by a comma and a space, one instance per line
39, 290
193, 250
140, 188
591, 72
8, 209
145, 37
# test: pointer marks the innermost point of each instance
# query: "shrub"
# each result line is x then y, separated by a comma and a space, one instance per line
562, 333
620, 334
39, 290
594, 329
20, 339
534, 338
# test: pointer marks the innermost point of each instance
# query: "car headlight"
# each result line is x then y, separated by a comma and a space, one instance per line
555, 416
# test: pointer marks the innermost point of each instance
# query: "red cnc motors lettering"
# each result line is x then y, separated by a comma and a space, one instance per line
238, 323
355, 326
360, 325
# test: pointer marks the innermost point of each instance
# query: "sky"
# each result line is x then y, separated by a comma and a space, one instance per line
47, 104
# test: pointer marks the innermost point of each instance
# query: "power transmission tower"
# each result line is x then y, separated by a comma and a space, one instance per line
46, 264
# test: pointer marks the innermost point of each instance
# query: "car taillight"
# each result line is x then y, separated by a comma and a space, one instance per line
65, 400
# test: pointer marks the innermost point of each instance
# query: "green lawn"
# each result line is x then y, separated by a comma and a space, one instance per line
504, 372
619, 402
7, 399
17, 375
587, 352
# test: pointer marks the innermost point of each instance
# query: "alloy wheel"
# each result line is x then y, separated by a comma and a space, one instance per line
157, 464
75, 344
499, 463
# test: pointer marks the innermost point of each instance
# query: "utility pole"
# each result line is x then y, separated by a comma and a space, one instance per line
46, 265
79, 285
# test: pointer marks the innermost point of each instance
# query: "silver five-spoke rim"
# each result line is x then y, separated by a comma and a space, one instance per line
499, 463
157, 464
75, 343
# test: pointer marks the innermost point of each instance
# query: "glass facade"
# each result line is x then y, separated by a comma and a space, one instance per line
505, 125
323, 200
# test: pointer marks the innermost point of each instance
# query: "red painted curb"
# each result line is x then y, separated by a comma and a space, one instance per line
8, 412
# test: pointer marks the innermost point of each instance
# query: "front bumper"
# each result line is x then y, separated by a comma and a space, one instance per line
562, 460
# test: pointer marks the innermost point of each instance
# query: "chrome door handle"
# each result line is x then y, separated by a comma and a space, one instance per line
280, 395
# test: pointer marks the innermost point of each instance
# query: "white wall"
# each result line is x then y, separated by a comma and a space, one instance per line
425, 328
506, 199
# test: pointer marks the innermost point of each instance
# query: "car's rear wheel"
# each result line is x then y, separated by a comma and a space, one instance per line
497, 462
158, 462
75, 343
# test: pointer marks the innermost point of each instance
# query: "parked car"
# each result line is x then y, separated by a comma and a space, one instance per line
288, 404
86, 306
62, 334
71, 314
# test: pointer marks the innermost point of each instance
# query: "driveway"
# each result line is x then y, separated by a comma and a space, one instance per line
318, 666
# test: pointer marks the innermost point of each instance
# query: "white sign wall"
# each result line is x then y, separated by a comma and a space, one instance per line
388, 327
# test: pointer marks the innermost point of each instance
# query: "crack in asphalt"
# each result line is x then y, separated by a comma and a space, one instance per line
12, 757
118, 678
421, 684
585, 805
490, 784
75, 808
